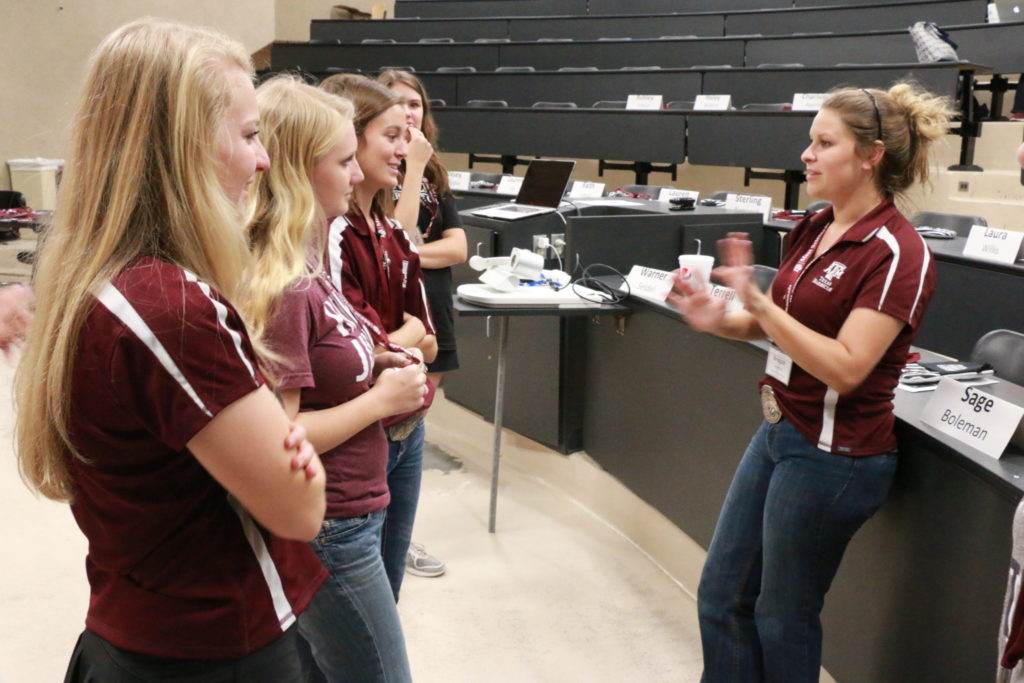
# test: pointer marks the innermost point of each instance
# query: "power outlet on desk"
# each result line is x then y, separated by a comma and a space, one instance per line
541, 244
558, 243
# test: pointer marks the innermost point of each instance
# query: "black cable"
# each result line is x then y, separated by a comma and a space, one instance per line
589, 280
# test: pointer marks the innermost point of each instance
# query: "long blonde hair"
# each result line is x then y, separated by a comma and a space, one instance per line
141, 179
298, 125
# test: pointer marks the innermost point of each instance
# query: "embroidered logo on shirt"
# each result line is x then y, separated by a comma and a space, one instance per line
405, 273
833, 272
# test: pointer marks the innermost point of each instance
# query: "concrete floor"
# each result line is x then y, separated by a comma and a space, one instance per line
558, 594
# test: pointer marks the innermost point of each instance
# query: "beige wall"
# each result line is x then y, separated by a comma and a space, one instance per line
44, 45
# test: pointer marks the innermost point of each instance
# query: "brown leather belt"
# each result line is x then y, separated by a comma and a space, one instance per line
769, 405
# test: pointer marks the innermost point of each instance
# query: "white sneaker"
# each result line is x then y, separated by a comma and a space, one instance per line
421, 563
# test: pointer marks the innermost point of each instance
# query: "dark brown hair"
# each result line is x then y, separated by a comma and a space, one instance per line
435, 172
370, 99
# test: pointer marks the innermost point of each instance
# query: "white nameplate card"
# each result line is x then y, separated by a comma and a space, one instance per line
712, 103
728, 295
510, 185
585, 189
669, 193
649, 283
750, 202
778, 364
458, 180
993, 244
982, 421
808, 101
644, 102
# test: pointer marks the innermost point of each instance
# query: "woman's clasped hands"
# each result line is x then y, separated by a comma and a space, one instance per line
402, 381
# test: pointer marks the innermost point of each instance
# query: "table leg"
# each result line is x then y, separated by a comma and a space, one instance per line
499, 405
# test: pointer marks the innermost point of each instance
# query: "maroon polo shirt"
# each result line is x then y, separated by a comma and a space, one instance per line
377, 268
329, 356
176, 567
880, 263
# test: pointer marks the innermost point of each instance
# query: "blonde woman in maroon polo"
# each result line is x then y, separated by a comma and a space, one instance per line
842, 312
140, 396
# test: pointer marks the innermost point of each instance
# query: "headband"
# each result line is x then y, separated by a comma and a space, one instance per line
878, 114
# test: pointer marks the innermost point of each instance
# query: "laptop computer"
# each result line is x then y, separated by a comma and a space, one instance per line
1005, 11
540, 193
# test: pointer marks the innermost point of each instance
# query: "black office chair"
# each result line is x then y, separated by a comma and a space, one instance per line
578, 68
653, 67
515, 69
790, 65
649, 190
609, 104
486, 103
815, 207
436, 41
958, 223
554, 105
680, 104
438, 103
378, 41
492, 40
410, 69
11, 199
456, 69
767, 106
1004, 351
763, 276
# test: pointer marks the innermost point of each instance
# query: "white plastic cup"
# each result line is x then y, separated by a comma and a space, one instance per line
697, 269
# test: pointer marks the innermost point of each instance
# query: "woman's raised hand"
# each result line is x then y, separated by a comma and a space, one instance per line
700, 311
420, 149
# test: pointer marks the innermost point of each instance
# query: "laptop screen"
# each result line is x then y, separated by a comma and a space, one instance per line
545, 182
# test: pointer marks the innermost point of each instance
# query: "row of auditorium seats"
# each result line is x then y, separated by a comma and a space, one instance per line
617, 104
492, 8
994, 45
895, 15
522, 86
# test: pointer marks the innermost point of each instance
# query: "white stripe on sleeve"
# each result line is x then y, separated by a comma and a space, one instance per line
925, 260
335, 236
222, 320
122, 309
283, 608
890, 241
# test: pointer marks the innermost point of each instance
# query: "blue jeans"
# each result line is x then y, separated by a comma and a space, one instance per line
405, 471
785, 523
352, 624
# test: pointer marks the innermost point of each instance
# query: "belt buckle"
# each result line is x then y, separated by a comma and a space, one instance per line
769, 405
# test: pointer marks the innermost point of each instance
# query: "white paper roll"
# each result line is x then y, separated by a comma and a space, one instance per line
526, 264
